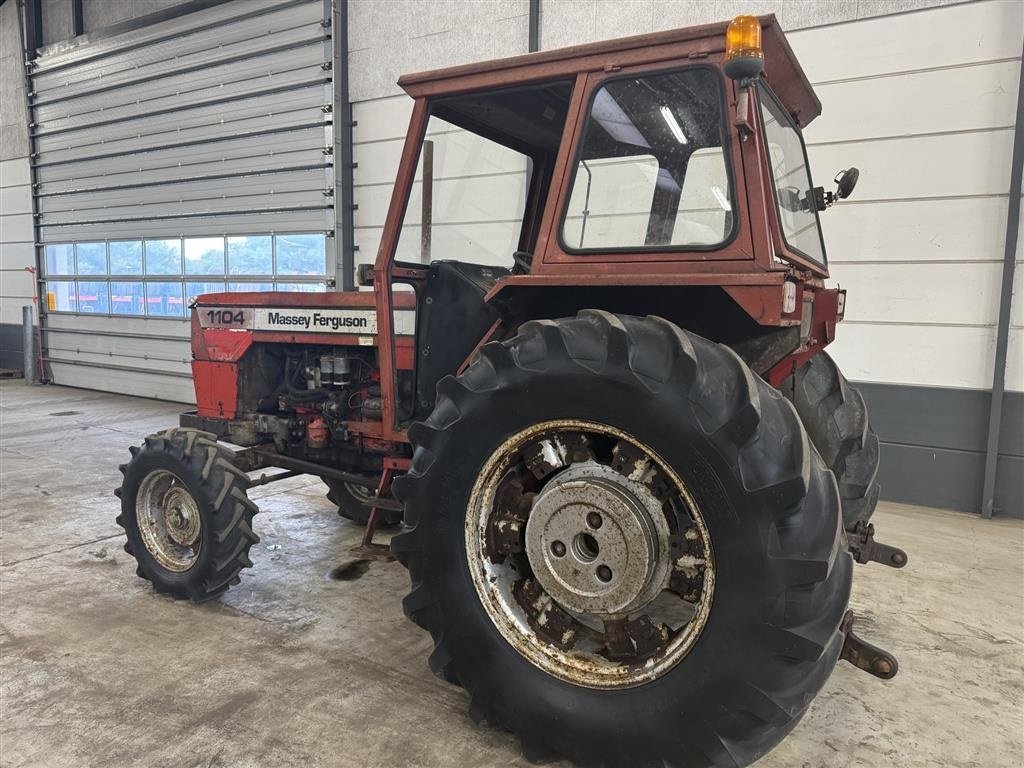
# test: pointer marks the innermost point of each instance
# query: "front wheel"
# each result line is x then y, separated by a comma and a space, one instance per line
354, 502
624, 546
186, 515
835, 416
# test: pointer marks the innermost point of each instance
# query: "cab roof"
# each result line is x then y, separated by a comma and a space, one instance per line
781, 69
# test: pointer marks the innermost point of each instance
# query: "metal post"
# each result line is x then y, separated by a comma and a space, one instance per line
995, 415
77, 18
344, 182
32, 27
534, 25
427, 201
28, 343
30, 34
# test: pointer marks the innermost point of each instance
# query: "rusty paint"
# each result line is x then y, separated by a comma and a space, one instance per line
496, 590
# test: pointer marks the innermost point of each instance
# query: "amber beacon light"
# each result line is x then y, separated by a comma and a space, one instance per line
744, 58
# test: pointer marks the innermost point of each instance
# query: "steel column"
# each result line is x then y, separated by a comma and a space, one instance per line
28, 337
344, 184
1005, 297
77, 18
534, 26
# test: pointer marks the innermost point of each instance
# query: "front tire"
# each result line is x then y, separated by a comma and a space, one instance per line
350, 499
771, 508
186, 515
835, 415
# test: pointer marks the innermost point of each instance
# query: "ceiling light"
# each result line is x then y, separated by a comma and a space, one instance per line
673, 124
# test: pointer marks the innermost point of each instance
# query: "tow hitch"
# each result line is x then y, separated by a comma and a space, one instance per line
865, 549
864, 655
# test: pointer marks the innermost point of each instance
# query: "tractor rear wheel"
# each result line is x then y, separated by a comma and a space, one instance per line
835, 416
350, 499
624, 545
186, 514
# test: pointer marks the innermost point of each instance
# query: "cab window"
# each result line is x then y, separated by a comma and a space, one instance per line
652, 171
791, 174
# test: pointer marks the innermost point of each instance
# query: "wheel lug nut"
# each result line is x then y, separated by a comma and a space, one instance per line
558, 549
594, 520
604, 573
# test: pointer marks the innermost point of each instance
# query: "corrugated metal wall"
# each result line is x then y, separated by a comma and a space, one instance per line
201, 133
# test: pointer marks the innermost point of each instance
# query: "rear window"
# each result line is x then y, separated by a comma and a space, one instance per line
652, 171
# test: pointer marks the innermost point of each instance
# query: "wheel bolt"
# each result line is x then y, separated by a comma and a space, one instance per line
594, 520
604, 573
558, 549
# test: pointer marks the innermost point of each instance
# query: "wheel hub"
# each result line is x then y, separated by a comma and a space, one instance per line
595, 541
182, 516
589, 553
169, 521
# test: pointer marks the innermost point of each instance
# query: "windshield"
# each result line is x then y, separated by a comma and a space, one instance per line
652, 172
798, 212
470, 198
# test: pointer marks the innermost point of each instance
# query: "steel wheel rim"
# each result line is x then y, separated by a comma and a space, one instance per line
558, 617
360, 492
169, 521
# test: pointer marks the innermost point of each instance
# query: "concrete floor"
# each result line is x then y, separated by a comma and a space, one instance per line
295, 668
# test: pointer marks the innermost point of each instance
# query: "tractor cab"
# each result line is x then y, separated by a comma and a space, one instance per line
662, 173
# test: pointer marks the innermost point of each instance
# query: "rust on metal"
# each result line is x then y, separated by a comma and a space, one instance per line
568, 596
864, 655
865, 549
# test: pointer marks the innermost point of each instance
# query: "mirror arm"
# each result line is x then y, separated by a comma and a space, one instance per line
744, 123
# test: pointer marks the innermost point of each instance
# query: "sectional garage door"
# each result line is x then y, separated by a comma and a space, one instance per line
189, 156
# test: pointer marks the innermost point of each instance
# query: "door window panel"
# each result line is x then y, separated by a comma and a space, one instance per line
652, 171
126, 298
165, 300
204, 255
163, 257
125, 257
93, 297
251, 255
798, 211
301, 255
61, 296
60, 259
91, 258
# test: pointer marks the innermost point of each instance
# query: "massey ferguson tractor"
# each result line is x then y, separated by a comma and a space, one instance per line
590, 385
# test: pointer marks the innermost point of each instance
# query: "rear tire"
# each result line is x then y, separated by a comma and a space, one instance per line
186, 514
349, 498
835, 416
781, 578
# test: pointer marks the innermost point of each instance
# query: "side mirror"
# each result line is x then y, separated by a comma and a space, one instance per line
789, 199
845, 182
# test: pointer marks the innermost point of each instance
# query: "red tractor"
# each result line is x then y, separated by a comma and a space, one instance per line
631, 484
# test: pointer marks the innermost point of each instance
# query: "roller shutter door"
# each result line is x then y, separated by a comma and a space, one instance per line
185, 157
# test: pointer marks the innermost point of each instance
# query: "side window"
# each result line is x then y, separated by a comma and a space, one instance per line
468, 199
652, 170
798, 213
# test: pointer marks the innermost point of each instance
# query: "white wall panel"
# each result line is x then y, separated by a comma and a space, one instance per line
16, 228
15, 200
15, 284
947, 293
911, 354
928, 166
968, 98
937, 38
15, 172
950, 229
